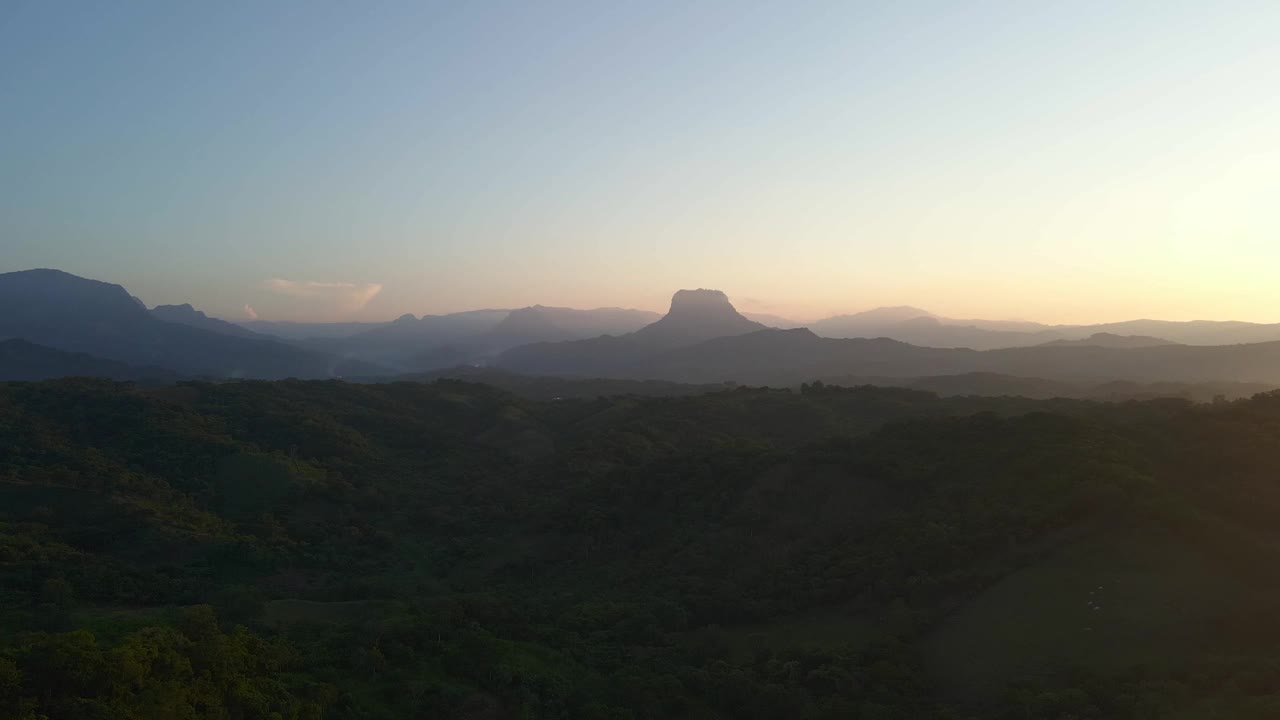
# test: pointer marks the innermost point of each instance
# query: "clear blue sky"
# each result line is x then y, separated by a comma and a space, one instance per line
1059, 161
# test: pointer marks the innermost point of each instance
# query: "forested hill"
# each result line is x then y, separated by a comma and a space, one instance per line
332, 550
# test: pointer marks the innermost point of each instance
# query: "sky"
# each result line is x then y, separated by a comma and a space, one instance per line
1062, 162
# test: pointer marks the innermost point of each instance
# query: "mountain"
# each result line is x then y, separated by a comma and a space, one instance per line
1194, 332
1110, 340
396, 343
187, 315
920, 327
74, 314
874, 318
307, 330
695, 316
552, 324
414, 344
773, 321
934, 332
788, 357
22, 360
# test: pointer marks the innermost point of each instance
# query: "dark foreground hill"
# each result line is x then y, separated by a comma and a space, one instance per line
322, 549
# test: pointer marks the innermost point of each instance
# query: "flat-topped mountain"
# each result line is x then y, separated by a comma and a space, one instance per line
695, 316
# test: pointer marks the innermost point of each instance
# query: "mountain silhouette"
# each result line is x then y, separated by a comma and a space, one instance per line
397, 343
186, 315
539, 323
787, 357
773, 321
695, 316
435, 341
1110, 340
1193, 332
73, 314
291, 330
920, 327
876, 317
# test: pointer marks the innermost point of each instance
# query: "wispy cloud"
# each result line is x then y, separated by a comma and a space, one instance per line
754, 303
341, 297
249, 312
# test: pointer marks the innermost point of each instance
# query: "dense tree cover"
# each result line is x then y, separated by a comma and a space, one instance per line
324, 549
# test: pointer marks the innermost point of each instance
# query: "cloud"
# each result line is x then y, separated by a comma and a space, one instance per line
340, 297
755, 303
250, 312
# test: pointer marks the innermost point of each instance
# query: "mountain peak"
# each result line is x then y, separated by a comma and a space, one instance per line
700, 299
176, 310
44, 292
186, 314
697, 315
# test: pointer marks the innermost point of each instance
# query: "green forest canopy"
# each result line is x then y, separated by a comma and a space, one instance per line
324, 549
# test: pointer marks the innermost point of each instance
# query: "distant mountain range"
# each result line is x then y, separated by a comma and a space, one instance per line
435, 341
187, 315
1110, 340
787, 356
64, 312
732, 348
308, 330
920, 327
59, 324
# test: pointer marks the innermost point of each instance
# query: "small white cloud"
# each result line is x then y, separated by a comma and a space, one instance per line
249, 312
340, 297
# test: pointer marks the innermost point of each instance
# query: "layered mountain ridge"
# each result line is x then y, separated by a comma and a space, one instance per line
701, 339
